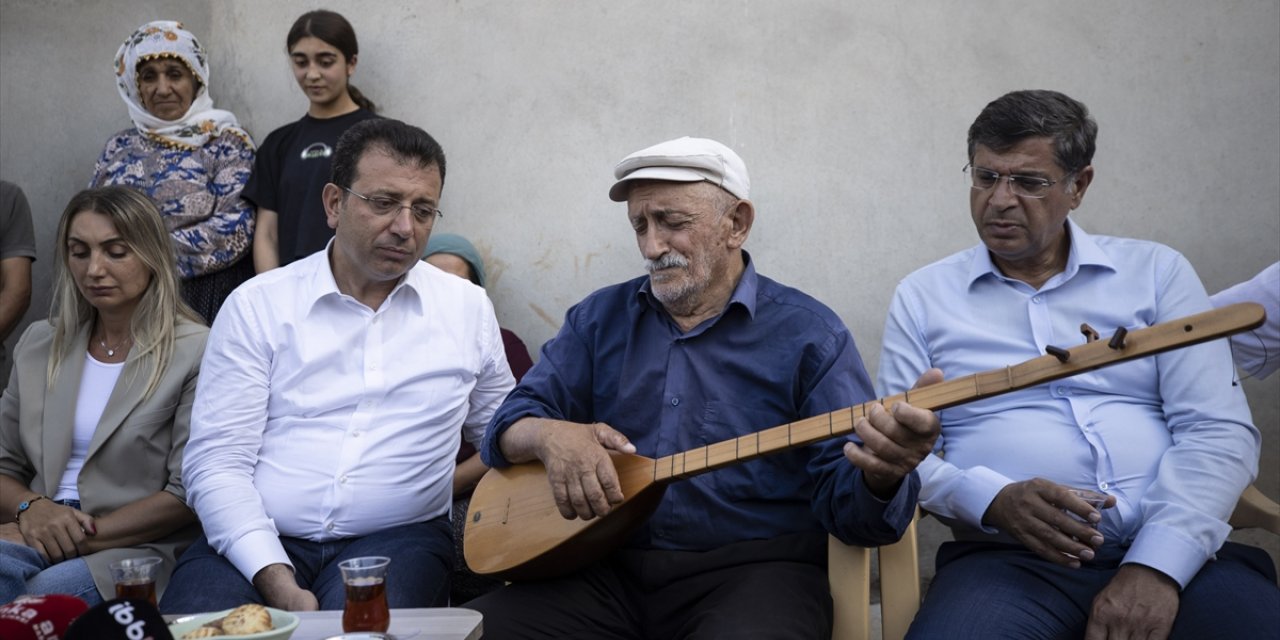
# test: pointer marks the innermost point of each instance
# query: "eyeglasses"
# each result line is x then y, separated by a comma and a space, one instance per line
1025, 186
382, 206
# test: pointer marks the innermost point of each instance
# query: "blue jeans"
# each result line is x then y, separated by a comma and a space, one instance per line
985, 590
24, 571
421, 559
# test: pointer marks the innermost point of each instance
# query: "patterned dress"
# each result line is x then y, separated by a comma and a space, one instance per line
198, 193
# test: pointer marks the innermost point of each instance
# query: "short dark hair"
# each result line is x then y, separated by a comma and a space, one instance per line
1015, 116
402, 141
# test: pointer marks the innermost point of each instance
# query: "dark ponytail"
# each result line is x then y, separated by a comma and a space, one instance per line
359, 98
333, 29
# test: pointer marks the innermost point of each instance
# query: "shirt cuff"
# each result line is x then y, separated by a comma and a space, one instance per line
870, 521
1168, 551
256, 550
901, 508
898, 501
970, 503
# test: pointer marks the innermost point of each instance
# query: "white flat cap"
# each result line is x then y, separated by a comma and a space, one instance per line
683, 160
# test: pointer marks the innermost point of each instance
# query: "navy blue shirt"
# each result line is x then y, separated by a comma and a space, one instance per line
773, 356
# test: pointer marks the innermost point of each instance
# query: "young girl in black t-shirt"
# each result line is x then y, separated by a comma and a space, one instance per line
293, 164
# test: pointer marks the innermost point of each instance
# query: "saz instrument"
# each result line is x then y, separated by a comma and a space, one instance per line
514, 530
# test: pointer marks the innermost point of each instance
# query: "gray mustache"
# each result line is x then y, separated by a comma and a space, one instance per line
666, 261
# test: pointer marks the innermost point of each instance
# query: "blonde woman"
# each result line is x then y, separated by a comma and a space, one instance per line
95, 416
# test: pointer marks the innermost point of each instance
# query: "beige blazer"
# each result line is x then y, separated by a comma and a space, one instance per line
135, 451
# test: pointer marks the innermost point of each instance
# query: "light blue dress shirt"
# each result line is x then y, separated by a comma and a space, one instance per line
1169, 436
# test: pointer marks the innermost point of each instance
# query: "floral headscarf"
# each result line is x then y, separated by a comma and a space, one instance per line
168, 39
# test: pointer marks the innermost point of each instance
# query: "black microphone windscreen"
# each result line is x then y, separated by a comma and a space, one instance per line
120, 619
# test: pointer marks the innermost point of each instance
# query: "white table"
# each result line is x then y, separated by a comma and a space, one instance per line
406, 624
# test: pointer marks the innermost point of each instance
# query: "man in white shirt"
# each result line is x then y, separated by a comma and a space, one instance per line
331, 397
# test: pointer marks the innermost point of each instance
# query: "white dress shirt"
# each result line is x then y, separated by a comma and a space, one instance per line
317, 417
1169, 436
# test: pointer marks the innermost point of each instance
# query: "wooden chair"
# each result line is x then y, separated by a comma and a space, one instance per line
849, 570
1255, 509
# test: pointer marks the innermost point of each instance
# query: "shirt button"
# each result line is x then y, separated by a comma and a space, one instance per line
329, 527
1104, 486
343, 479
675, 402
355, 434
1036, 299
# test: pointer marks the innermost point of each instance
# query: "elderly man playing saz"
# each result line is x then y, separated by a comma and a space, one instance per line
700, 350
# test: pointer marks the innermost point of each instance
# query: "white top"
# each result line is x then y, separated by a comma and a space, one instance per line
1257, 352
96, 383
317, 417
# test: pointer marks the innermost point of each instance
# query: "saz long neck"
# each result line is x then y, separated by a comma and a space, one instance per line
1139, 343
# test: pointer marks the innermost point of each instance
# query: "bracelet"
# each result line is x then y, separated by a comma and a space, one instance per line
24, 505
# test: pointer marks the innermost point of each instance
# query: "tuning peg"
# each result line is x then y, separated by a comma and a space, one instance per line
1090, 334
1058, 352
1117, 341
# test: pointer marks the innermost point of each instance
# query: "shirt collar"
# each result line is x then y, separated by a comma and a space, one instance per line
744, 294
324, 285
1083, 252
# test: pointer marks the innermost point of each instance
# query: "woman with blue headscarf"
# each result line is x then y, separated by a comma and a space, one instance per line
454, 254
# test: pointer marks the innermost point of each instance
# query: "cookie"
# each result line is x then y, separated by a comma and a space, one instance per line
246, 619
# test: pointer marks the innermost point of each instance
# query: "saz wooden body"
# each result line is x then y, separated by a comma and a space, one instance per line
514, 530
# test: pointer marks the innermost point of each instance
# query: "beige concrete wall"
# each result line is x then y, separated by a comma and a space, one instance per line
850, 115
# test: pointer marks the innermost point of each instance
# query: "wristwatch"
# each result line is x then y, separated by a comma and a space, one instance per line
23, 506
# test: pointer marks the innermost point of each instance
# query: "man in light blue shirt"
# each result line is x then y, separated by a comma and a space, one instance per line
1167, 440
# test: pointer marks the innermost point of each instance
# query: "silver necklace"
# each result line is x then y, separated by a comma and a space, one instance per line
111, 351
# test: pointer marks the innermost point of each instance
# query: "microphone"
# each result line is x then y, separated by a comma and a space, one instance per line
120, 619
39, 617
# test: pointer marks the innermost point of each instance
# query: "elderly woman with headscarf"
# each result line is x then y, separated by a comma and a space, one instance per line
193, 160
